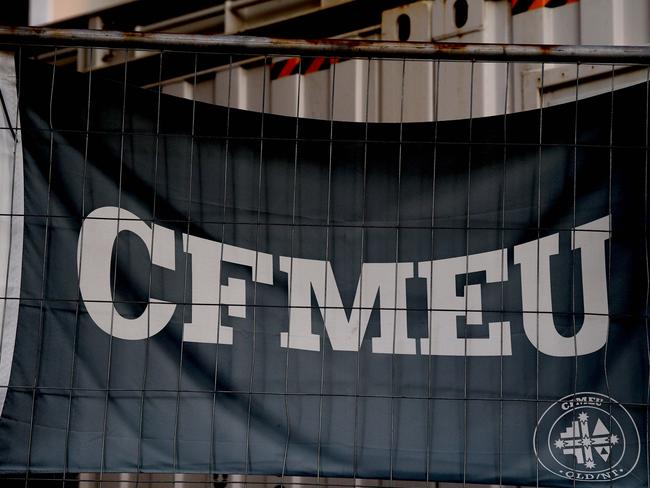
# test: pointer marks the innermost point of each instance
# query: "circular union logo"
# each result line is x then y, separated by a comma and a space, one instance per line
587, 437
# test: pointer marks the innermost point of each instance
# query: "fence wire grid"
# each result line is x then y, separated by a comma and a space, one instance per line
393, 83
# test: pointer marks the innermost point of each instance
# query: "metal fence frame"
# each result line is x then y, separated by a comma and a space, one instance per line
244, 45
223, 44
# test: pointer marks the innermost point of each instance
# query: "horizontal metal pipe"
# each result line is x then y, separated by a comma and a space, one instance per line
36, 36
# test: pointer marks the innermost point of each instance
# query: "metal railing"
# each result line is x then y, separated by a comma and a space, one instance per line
224, 44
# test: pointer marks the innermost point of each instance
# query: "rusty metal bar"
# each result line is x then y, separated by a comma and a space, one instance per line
37, 36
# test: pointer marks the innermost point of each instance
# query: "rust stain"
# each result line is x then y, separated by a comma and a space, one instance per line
44, 36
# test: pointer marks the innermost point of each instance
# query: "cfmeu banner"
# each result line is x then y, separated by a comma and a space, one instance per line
214, 290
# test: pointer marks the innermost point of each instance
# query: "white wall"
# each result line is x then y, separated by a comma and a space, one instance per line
43, 12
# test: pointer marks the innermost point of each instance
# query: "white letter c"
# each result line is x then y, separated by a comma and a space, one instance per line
94, 250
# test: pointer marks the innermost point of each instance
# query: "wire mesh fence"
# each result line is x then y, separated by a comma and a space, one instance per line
473, 216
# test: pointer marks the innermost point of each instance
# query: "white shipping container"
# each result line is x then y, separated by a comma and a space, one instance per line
390, 91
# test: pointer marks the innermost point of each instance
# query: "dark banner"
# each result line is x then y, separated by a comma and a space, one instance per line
214, 290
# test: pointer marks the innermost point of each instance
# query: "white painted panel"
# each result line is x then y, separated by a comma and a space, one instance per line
257, 89
444, 19
230, 87
284, 96
179, 89
407, 87
204, 91
317, 95
597, 21
633, 23
463, 90
350, 90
